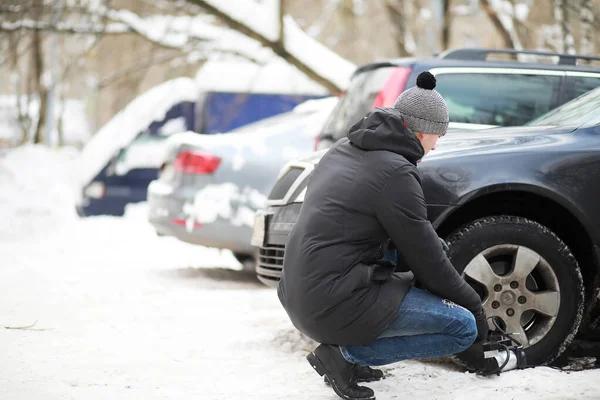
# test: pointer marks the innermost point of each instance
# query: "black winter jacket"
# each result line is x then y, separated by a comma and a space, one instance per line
365, 190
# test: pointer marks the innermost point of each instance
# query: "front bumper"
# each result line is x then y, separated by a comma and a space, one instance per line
270, 264
271, 229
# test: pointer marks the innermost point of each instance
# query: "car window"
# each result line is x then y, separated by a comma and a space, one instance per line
145, 151
583, 111
497, 99
579, 85
357, 101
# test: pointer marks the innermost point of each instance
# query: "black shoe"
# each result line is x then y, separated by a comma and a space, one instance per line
365, 374
368, 374
342, 375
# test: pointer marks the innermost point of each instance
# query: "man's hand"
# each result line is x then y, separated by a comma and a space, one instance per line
482, 326
381, 270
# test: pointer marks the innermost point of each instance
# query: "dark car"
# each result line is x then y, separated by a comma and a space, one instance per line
483, 88
519, 209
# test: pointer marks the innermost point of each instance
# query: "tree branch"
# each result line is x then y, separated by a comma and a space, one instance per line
140, 66
562, 17
38, 68
586, 16
446, 24
398, 21
277, 47
76, 29
280, 16
495, 18
13, 46
125, 22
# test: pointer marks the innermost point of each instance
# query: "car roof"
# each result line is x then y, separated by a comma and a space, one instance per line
477, 57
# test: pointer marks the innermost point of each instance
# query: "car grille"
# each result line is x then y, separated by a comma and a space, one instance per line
270, 264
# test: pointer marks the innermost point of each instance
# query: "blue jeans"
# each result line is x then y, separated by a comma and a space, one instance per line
426, 327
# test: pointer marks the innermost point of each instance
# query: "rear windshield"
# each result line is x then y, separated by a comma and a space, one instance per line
356, 102
581, 112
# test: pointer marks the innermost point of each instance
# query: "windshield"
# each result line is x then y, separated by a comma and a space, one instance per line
357, 101
581, 112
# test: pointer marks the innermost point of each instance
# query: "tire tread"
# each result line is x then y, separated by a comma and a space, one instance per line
563, 249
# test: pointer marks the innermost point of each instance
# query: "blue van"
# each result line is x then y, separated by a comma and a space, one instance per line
123, 157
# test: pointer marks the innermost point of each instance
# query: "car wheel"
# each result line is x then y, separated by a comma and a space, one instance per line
248, 262
525, 275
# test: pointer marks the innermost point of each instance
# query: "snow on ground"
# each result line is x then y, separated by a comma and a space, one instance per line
36, 191
119, 313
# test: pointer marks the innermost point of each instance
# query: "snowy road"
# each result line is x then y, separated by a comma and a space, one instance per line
123, 314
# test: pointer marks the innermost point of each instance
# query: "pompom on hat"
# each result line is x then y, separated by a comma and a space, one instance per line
424, 109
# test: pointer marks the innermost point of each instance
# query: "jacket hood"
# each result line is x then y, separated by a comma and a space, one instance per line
384, 129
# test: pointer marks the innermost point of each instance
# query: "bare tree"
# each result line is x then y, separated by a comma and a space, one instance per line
278, 45
38, 70
510, 39
446, 24
586, 17
562, 14
14, 40
28, 24
400, 27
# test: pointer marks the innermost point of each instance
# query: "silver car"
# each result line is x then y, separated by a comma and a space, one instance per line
210, 186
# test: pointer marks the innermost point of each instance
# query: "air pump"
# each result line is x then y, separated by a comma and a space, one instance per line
501, 352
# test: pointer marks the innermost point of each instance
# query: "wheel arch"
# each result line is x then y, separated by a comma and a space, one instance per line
534, 203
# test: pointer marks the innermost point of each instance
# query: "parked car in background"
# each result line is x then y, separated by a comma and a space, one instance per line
518, 208
233, 94
210, 186
481, 91
119, 161
123, 157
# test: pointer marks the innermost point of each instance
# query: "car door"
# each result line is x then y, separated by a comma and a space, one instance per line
497, 96
132, 170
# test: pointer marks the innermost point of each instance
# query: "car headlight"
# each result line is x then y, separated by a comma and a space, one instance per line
94, 190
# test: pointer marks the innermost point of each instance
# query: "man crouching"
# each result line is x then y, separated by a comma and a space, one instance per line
335, 286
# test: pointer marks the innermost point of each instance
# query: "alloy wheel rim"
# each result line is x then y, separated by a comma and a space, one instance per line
519, 286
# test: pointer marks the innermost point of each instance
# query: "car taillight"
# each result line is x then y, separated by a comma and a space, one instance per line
392, 87
184, 222
195, 162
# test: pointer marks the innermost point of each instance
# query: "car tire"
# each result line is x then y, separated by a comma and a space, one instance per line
248, 262
547, 302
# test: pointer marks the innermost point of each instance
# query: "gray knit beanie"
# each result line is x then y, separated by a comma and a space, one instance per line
424, 109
